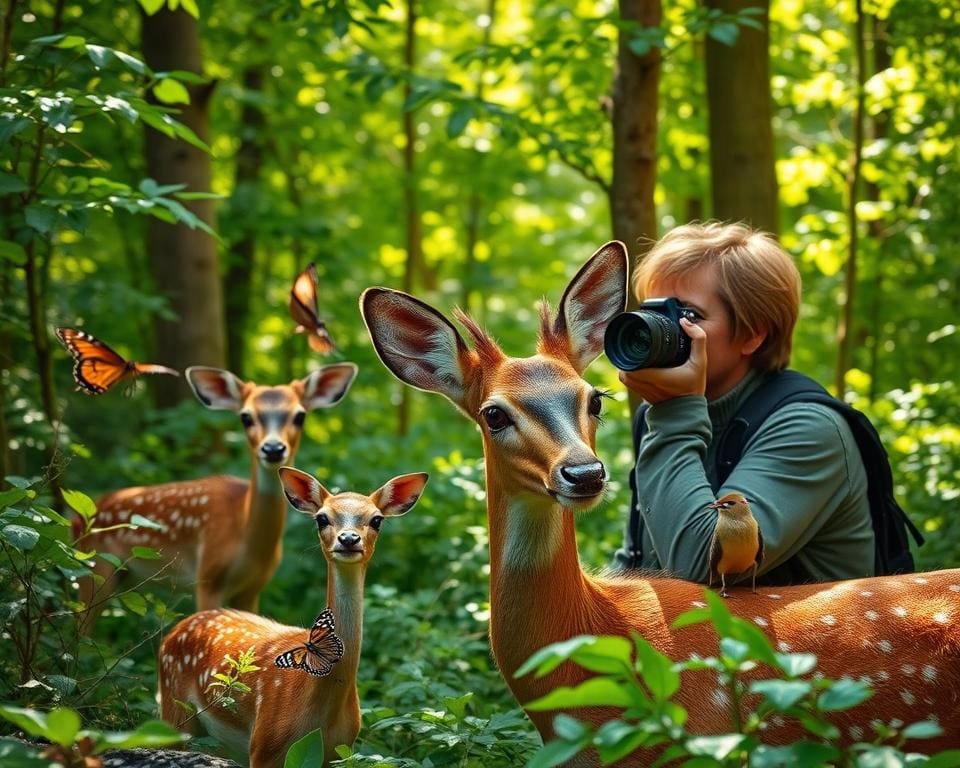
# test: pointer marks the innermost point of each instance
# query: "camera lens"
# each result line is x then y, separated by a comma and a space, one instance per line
642, 339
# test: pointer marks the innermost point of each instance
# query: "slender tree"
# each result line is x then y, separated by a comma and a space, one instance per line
183, 261
743, 175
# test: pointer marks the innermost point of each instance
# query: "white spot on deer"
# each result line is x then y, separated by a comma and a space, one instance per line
941, 617
908, 669
138, 500
908, 698
866, 679
866, 593
954, 587
720, 698
175, 515
883, 675
872, 615
276, 682
885, 645
920, 580
929, 672
773, 596
760, 621
204, 499
899, 610
856, 732
828, 620
784, 647
777, 721
698, 604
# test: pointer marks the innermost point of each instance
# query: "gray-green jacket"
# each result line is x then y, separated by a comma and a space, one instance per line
802, 471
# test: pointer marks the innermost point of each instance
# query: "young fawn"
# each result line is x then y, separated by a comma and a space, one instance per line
538, 419
222, 535
285, 702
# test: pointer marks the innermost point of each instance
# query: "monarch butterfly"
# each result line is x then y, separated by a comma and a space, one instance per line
96, 367
304, 311
322, 650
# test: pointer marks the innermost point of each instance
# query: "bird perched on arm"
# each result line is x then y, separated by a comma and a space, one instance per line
737, 543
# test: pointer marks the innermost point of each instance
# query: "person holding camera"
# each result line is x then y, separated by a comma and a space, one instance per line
720, 305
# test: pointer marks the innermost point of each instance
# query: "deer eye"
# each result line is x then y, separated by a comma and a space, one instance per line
246, 419
298, 418
596, 404
322, 521
496, 418
376, 522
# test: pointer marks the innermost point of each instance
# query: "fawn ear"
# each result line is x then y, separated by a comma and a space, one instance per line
216, 388
418, 344
303, 491
596, 294
326, 386
398, 495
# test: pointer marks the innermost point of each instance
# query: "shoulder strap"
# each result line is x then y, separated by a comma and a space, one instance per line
775, 391
632, 539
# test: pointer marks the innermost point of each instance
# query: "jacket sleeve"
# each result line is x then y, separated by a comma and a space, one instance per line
795, 470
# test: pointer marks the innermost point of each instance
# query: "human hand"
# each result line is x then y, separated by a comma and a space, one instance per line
658, 384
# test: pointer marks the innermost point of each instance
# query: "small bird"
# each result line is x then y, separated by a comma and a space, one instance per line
737, 543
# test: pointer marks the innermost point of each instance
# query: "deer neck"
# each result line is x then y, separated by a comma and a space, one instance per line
538, 592
345, 598
266, 514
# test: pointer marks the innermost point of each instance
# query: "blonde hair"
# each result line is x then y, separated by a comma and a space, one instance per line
757, 281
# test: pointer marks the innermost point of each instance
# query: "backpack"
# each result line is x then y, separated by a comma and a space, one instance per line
890, 522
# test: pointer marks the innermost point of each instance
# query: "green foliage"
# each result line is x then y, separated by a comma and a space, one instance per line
228, 684
306, 752
760, 683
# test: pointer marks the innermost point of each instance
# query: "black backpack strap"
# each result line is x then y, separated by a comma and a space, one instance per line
776, 389
632, 540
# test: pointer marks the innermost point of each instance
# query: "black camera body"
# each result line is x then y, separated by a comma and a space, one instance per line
649, 337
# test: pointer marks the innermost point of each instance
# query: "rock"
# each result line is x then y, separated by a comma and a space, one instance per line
162, 758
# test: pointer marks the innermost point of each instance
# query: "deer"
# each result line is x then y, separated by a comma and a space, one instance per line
538, 420
284, 703
221, 534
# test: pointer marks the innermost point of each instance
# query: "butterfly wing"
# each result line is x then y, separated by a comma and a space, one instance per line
324, 648
293, 658
304, 310
96, 366
152, 368
320, 340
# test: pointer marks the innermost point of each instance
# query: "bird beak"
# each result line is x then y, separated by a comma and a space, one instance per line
715, 505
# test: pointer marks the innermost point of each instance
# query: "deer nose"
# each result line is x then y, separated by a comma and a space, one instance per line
273, 451
585, 478
349, 539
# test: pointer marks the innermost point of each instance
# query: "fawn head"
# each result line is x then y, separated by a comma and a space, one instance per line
272, 417
348, 523
537, 415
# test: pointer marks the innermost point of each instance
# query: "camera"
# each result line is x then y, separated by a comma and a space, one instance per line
649, 337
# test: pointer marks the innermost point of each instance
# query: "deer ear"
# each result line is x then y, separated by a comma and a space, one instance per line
418, 344
326, 386
597, 293
216, 388
303, 491
398, 495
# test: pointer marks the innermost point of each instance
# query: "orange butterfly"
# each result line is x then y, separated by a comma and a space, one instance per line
304, 311
96, 367
322, 650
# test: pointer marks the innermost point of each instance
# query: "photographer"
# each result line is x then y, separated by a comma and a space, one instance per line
739, 295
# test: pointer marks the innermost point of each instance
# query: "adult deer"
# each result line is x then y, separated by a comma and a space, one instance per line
285, 704
538, 420
221, 534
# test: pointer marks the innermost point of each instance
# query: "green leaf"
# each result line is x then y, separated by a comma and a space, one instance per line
63, 684
11, 126
11, 496
556, 753
925, 729
190, 6
102, 57
109, 557
459, 119
801, 754
725, 32
844, 694
782, 694
717, 747
40, 218
796, 664
10, 184
568, 728
10, 251
947, 759
595, 692
20, 537
153, 733
616, 739
150, 7
139, 521
656, 670
170, 91
306, 752
63, 725
552, 656
16, 754
145, 553
29, 720
80, 503
457, 705
134, 602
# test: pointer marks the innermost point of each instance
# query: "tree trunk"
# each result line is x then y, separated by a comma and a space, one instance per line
635, 103
240, 261
183, 261
414, 265
850, 272
743, 175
